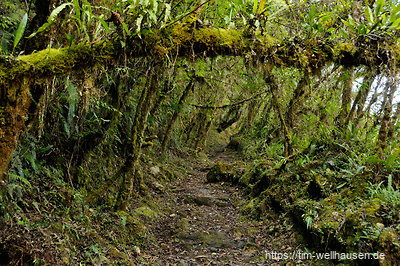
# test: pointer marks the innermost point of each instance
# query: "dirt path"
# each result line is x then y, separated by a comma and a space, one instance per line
204, 225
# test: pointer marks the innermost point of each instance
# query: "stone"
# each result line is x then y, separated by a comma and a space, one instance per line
136, 251
220, 172
155, 170
159, 187
199, 200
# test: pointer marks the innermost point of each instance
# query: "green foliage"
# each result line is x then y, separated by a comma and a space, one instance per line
87, 118
12, 20
389, 195
308, 218
383, 20
20, 30
145, 15
53, 15
390, 162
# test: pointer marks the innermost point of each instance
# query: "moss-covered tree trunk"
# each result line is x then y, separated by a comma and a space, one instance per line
296, 101
386, 119
230, 117
130, 172
176, 113
346, 98
252, 109
91, 141
14, 112
361, 97
273, 85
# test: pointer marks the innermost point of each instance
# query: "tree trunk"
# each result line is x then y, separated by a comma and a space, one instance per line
384, 129
91, 141
346, 98
14, 113
39, 42
393, 122
362, 96
175, 115
252, 109
270, 80
130, 172
202, 125
367, 111
295, 102
229, 118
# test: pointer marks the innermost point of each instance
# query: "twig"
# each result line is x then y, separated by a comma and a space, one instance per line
229, 105
187, 14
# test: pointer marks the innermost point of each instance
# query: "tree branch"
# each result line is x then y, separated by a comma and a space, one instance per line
229, 105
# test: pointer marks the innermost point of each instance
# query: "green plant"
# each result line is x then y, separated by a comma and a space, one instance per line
390, 163
383, 20
83, 19
20, 30
145, 14
50, 19
309, 217
389, 195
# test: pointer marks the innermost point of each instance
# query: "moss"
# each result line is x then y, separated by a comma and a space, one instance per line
229, 38
215, 41
253, 174
331, 219
145, 211
388, 243
387, 237
303, 60
346, 47
209, 38
220, 172
252, 208
169, 174
51, 61
396, 52
160, 52
347, 54
181, 34
132, 224
2, 77
373, 206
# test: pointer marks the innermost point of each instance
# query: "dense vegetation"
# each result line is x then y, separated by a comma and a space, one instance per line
95, 94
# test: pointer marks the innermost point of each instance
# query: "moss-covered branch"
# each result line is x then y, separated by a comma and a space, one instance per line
188, 42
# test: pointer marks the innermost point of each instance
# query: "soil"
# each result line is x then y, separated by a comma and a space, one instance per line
204, 224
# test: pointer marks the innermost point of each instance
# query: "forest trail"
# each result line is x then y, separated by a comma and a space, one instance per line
204, 225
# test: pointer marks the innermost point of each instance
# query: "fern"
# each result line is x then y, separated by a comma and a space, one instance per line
50, 19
